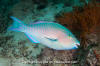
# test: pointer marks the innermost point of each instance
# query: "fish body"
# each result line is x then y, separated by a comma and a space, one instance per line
50, 34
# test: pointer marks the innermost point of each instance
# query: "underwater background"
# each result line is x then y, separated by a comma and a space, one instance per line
82, 17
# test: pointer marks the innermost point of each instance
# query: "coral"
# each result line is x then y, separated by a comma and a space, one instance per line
56, 56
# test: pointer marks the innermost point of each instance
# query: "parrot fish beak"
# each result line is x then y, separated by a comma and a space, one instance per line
76, 45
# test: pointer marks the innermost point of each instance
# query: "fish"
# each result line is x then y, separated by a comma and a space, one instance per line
51, 34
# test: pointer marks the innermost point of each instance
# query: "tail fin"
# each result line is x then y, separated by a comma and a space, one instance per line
17, 25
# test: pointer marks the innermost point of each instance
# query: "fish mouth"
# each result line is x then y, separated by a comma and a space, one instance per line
76, 45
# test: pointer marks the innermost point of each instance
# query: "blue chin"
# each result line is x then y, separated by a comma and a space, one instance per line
74, 48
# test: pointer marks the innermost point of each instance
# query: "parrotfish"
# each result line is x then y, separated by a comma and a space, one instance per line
50, 34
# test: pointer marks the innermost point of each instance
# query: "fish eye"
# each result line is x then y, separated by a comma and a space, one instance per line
70, 37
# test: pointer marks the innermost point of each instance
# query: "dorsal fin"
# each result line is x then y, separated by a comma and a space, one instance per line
38, 22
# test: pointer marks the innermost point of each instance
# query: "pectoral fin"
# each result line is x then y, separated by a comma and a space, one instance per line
51, 39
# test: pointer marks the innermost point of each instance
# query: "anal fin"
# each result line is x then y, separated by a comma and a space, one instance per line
32, 38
